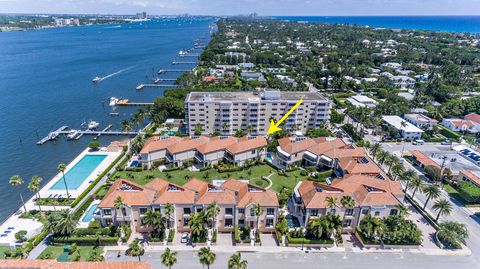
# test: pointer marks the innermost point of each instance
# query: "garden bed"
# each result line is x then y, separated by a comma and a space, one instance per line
311, 242
365, 242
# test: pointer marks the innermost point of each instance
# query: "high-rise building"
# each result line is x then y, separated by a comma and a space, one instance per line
228, 112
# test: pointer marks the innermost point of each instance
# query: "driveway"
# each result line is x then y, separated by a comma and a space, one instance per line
224, 239
268, 240
427, 230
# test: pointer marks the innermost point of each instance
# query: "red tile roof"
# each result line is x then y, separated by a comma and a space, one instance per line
292, 145
131, 193
157, 143
217, 144
423, 159
473, 117
247, 144
248, 194
187, 144
470, 175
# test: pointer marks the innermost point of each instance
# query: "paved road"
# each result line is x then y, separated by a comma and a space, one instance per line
189, 260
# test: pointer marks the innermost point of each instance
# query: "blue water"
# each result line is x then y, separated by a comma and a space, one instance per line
79, 172
466, 24
46, 82
89, 215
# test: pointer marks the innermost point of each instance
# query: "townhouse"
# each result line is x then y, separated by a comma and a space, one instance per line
229, 112
420, 120
404, 128
371, 196
234, 198
175, 151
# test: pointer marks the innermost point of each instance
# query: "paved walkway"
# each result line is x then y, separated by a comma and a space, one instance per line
269, 180
33, 255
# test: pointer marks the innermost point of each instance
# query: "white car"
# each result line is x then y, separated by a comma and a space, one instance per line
418, 142
184, 238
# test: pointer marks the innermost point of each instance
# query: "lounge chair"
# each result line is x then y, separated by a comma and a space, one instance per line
50, 196
10, 228
3, 235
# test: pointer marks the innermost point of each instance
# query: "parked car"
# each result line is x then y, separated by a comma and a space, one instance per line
184, 238
418, 142
447, 142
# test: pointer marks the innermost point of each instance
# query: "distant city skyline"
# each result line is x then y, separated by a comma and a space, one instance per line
234, 7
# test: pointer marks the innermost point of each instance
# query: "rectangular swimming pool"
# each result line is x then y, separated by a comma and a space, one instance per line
79, 172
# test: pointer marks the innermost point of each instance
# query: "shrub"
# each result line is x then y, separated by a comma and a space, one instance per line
72, 249
171, 235
214, 237
94, 145
82, 208
95, 224
87, 241
469, 192
236, 232
20, 235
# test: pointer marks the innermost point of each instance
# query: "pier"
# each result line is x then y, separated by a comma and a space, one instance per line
126, 102
183, 62
161, 71
166, 79
52, 135
191, 55
142, 86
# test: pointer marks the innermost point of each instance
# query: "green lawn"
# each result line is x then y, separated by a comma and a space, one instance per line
181, 176
56, 250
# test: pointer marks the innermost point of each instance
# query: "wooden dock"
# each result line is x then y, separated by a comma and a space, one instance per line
142, 86
161, 71
174, 63
52, 135
126, 102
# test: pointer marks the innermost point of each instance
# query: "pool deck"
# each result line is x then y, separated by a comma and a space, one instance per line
74, 193
32, 226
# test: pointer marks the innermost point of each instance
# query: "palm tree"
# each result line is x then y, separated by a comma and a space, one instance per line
17, 181
331, 202
236, 262
34, 185
391, 160
249, 129
443, 207
382, 156
225, 126
127, 127
372, 226
196, 224
431, 191
347, 201
154, 219
375, 149
258, 211
118, 203
212, 212
136, 250
169, 209
61, 168
402, 210
206, 256
406, 177
397, 170
452, 234
66, 223
169, 258
416, 184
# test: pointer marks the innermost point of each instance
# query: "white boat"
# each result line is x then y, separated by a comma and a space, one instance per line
182, 53
140, 87
113, 101
156, 81
93, 125
114, 114
97, 79
72, 135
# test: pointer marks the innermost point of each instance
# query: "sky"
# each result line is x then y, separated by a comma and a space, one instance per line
234, 7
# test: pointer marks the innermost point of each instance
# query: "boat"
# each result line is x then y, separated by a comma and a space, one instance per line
113, 101
114, 114
72, 135
93, 125
140, 87
157, 80
97, 79
182, 53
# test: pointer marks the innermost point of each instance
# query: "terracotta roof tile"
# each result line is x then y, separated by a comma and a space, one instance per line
156, 143
291, 145
471, 175
473, 117
131, 193
187, 144
248, 194
168, 192
216, 144
246, 144
423, 159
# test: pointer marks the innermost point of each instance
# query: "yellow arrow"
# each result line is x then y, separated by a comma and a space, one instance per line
274, 126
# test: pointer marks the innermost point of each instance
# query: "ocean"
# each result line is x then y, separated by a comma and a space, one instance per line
46, 82
464, 24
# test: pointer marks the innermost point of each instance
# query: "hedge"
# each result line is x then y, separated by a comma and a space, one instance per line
95, 182
87, 241
307, 241
171, 234
449, 133
469, 192
80, 210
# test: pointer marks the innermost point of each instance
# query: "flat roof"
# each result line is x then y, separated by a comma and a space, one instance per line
396, 122
251, 96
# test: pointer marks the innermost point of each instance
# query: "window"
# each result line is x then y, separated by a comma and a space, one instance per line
333, 211
377, 213
124, 211
241, 222
253, 152
187, 211
314, 212
199, 210
143, 210
228, 211
269, 223
393, 212
185, 222
364, 211
108, 221
228, 222
107, 212
241, 211
347, 223
270, 211
251, 212
348, 212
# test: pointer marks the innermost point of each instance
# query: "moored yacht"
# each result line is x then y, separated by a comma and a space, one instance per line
97, 79
72, 134
113, 101
93, 125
